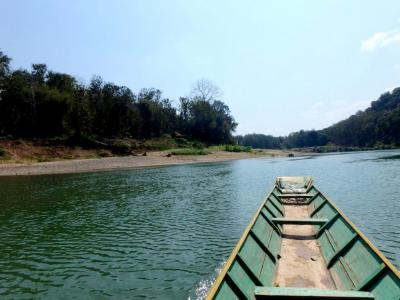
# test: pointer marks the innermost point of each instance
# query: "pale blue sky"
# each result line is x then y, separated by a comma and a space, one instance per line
282, 65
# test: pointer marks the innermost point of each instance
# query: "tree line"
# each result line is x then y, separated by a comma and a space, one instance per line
377, 126
40, 103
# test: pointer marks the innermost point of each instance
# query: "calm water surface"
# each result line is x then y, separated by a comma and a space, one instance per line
164, 233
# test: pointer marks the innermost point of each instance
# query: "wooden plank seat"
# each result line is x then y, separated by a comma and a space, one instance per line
265, 292
299, 221
295, 195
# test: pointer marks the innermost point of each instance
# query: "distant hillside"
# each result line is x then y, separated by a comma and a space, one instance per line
377, 126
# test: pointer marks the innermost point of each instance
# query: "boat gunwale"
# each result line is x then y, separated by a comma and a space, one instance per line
387, 262
218, 281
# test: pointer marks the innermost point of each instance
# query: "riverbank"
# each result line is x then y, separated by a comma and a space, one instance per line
152, 159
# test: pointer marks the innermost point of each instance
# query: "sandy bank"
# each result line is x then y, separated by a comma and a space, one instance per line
153, 159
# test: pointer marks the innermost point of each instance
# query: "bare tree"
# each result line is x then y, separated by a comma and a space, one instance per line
206, 90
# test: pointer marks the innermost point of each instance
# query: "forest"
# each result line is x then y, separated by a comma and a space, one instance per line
376, 127
40, 103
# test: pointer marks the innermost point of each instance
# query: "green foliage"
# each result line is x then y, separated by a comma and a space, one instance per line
260, 141
301, 139
378, 124
237, 148
189, 151
46, 104
208, 122
378, 127
2, 152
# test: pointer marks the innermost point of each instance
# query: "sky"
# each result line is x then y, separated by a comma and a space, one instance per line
282, 66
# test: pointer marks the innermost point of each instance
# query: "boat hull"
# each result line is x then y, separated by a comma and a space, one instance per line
298, 244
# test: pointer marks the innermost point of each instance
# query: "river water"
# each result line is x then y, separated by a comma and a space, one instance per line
164, 233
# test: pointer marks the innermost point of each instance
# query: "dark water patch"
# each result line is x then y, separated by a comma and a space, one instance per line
390, 157
303, 158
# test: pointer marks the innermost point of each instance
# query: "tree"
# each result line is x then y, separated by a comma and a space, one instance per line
4, 64
39, 73
41, 103
205, 90
4, 69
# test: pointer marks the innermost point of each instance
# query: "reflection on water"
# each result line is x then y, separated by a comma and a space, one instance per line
163, 233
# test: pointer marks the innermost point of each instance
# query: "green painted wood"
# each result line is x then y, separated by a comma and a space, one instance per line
310, 221
271, 223
361, 260
267, 212
313, 197
249, 271
341, 251
274, 201
275, 211
327, 224
308, 293
317, 201
353, 262
270, 211
241, 280
386, 287
371, 278
277, 201
235, 287
254, 257
225, 292
277, 196
317, 209
262, 246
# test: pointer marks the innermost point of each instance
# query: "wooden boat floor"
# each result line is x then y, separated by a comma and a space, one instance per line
301, 263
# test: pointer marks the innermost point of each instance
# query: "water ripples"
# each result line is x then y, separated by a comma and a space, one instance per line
165, 233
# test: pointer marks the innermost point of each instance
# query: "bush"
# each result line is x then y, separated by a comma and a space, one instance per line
189, 151
2, 152
237, 148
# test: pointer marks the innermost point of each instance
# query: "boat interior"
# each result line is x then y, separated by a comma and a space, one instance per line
301, 246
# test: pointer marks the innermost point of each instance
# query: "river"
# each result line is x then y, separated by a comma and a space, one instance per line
163, 233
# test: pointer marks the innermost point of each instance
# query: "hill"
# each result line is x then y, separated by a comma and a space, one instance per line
376, 127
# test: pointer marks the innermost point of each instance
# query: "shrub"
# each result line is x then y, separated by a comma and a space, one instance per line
237, 148
189, 151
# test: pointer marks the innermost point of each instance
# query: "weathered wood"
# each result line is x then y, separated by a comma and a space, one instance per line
314, 197
307, 293
235, 286
262, 246
299, 221
317, 209
371, 279
342, 250
277, 230
354, 262
296, 196
274, 205
247, 269
327, 225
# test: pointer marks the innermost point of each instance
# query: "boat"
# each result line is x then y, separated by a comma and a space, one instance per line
300, 245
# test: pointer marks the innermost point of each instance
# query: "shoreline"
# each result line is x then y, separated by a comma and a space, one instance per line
153, 159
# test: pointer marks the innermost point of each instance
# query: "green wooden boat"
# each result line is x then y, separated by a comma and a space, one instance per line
299, 245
